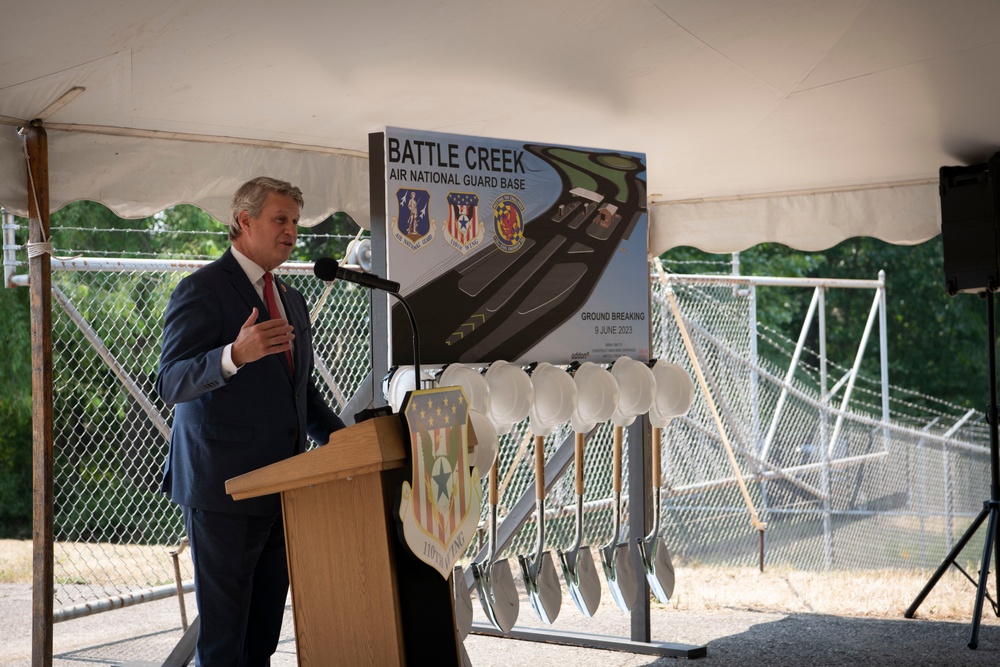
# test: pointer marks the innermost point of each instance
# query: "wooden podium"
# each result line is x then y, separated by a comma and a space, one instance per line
359, 597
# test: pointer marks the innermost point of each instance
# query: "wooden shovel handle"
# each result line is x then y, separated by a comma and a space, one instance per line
696, 364
616, 457
493, 483
657, 434
539, 467
579, 464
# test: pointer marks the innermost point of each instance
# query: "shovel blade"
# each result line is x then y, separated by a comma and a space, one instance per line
582, 581
484, 588
542, 586
659, 568
506, 601
497, 593
462, 602
620, 574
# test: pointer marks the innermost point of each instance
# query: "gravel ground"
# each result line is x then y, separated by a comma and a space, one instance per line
144, 635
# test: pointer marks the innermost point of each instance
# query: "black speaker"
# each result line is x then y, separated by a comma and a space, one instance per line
970, 228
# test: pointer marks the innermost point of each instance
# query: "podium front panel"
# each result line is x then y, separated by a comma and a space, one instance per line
344, 593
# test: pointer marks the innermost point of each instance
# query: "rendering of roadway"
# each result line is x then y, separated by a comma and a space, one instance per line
498, 304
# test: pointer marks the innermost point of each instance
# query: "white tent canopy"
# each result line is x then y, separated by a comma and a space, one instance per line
797, 121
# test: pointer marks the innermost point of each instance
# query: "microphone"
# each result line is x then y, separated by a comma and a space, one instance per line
327, 269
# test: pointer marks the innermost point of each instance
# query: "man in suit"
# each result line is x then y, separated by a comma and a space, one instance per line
237, 364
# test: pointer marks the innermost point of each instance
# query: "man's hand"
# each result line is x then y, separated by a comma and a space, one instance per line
256, 341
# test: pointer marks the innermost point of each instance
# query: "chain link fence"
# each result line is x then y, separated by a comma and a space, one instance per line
883, 493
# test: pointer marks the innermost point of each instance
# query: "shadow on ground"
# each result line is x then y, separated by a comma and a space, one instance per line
142, 636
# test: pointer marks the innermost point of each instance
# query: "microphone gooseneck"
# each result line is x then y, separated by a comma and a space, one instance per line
327, 269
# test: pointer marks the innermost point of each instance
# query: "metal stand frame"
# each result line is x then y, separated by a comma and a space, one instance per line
991, 507
585, 640
640, 640
640, 464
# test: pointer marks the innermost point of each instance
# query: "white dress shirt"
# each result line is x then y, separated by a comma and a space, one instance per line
256, 276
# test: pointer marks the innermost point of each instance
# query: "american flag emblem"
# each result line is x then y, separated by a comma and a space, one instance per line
440, 508
463, 216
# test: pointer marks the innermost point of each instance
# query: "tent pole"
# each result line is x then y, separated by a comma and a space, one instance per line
40, 285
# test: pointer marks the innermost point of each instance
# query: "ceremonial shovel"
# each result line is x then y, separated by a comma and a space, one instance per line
462, 602
540, 577
578, 564
597, 398
636, 388
674, 395
615, 556
655, 557
484, 458
494, 582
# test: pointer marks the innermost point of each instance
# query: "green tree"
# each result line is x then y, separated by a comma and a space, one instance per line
936, 343
91, 229
15, 414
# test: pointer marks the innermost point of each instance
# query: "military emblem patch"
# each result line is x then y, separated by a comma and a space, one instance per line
463, 229
413, 227
440, 509
508, 223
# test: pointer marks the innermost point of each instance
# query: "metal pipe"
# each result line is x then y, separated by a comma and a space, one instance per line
883, 343
840, 383
824, 417
792, 365
763, 466
921, 485
773, 281
755, 443
639, 480
721, 482
859, 418
854, 372
179, 582
959, 424
754, 375
99, 264
118, 602
133, 389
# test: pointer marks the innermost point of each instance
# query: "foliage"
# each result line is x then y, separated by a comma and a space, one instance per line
90, 229
15, 414
936, 343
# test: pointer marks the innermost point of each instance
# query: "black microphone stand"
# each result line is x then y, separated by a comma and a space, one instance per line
991, 507
416, 340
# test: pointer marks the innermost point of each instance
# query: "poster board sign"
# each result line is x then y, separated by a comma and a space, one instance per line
515, 250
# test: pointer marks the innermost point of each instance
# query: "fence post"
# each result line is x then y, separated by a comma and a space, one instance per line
883, 343
756, 446
43, 486
823, 432
946, 474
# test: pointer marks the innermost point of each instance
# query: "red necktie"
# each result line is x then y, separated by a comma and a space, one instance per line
273, 312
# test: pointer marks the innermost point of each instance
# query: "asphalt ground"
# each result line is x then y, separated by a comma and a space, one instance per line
143, 635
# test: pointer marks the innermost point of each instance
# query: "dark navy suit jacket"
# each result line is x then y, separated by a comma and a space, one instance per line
261, 415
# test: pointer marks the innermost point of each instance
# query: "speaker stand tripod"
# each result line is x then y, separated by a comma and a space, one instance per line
991, 508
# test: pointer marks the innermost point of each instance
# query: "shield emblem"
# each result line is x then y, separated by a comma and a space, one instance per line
508, 223
463, 229
440, 508
413, 220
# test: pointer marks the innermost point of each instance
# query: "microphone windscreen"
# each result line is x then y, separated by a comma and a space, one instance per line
326, 268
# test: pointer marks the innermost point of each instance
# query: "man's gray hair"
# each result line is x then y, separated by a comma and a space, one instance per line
251, 195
